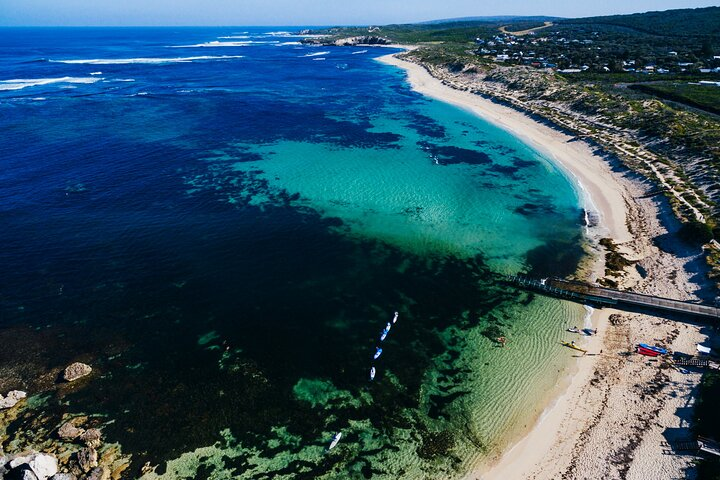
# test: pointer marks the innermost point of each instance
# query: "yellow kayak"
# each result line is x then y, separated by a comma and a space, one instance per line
574, 347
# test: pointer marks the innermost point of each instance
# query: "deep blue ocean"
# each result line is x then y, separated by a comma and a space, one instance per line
221, 221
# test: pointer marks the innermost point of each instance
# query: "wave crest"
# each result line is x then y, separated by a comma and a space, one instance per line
125, 61
20, 83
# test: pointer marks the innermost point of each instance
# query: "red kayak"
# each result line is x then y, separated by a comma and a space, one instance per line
647, 351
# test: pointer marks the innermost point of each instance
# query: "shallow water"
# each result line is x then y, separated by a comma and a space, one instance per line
225, 234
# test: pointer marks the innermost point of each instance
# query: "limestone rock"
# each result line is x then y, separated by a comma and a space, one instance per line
4, 466
75, 371
43, 465
99, 473
69, 432
11, 399
362, 40
63, 476
91, 437
88, 458
27, 474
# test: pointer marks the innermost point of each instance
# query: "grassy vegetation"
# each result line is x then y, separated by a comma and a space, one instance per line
704, 97
689, 21
453, 32
638, 78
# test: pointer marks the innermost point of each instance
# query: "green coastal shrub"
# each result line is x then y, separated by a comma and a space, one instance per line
695, 233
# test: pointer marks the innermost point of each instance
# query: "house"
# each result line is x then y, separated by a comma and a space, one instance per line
708, 82
570, 70
502, 57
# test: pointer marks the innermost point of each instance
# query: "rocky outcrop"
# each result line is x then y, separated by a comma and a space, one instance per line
99, 473
63, 476
69, 432
91, 437
36, 466
87, 458
363, 40
11, 399
75, 371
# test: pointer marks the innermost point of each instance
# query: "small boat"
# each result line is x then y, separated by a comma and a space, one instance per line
383, 335
395, 317
573, 330
573, 346
388, 326
335, 440
372, 373
378, 352
659, 350
647, 352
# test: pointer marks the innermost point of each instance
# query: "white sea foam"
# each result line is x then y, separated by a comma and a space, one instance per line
316, 54
358, 53
319, 59
282, 44
216, 43
20, 83
125, 61
95, 73
235, 37
39, 99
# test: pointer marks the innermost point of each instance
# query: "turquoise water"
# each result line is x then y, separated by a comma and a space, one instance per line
223, 231
476, 190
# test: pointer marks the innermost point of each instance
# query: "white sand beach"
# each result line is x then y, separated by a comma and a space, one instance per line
614, 411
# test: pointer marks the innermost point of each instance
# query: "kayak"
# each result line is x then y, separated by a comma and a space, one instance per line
372, 373
648, 352
388, 326
383, 335
659, 350
574, 347
378, 352
395, 317
573, 330
335, 440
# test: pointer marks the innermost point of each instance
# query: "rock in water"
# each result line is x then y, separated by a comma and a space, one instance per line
11, 399
27, 474
88, 458
63, 476
75, 371
43, 465
91, 437
99, 473
69, 432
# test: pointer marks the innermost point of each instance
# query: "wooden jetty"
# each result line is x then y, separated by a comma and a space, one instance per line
601, 297
696, 362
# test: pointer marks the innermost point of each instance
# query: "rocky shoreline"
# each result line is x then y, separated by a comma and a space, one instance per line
73, 450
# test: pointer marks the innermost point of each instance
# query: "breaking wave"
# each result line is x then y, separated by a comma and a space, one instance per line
20, 83
125, 61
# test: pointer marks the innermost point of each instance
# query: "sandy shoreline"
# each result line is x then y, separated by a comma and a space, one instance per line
602, 423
